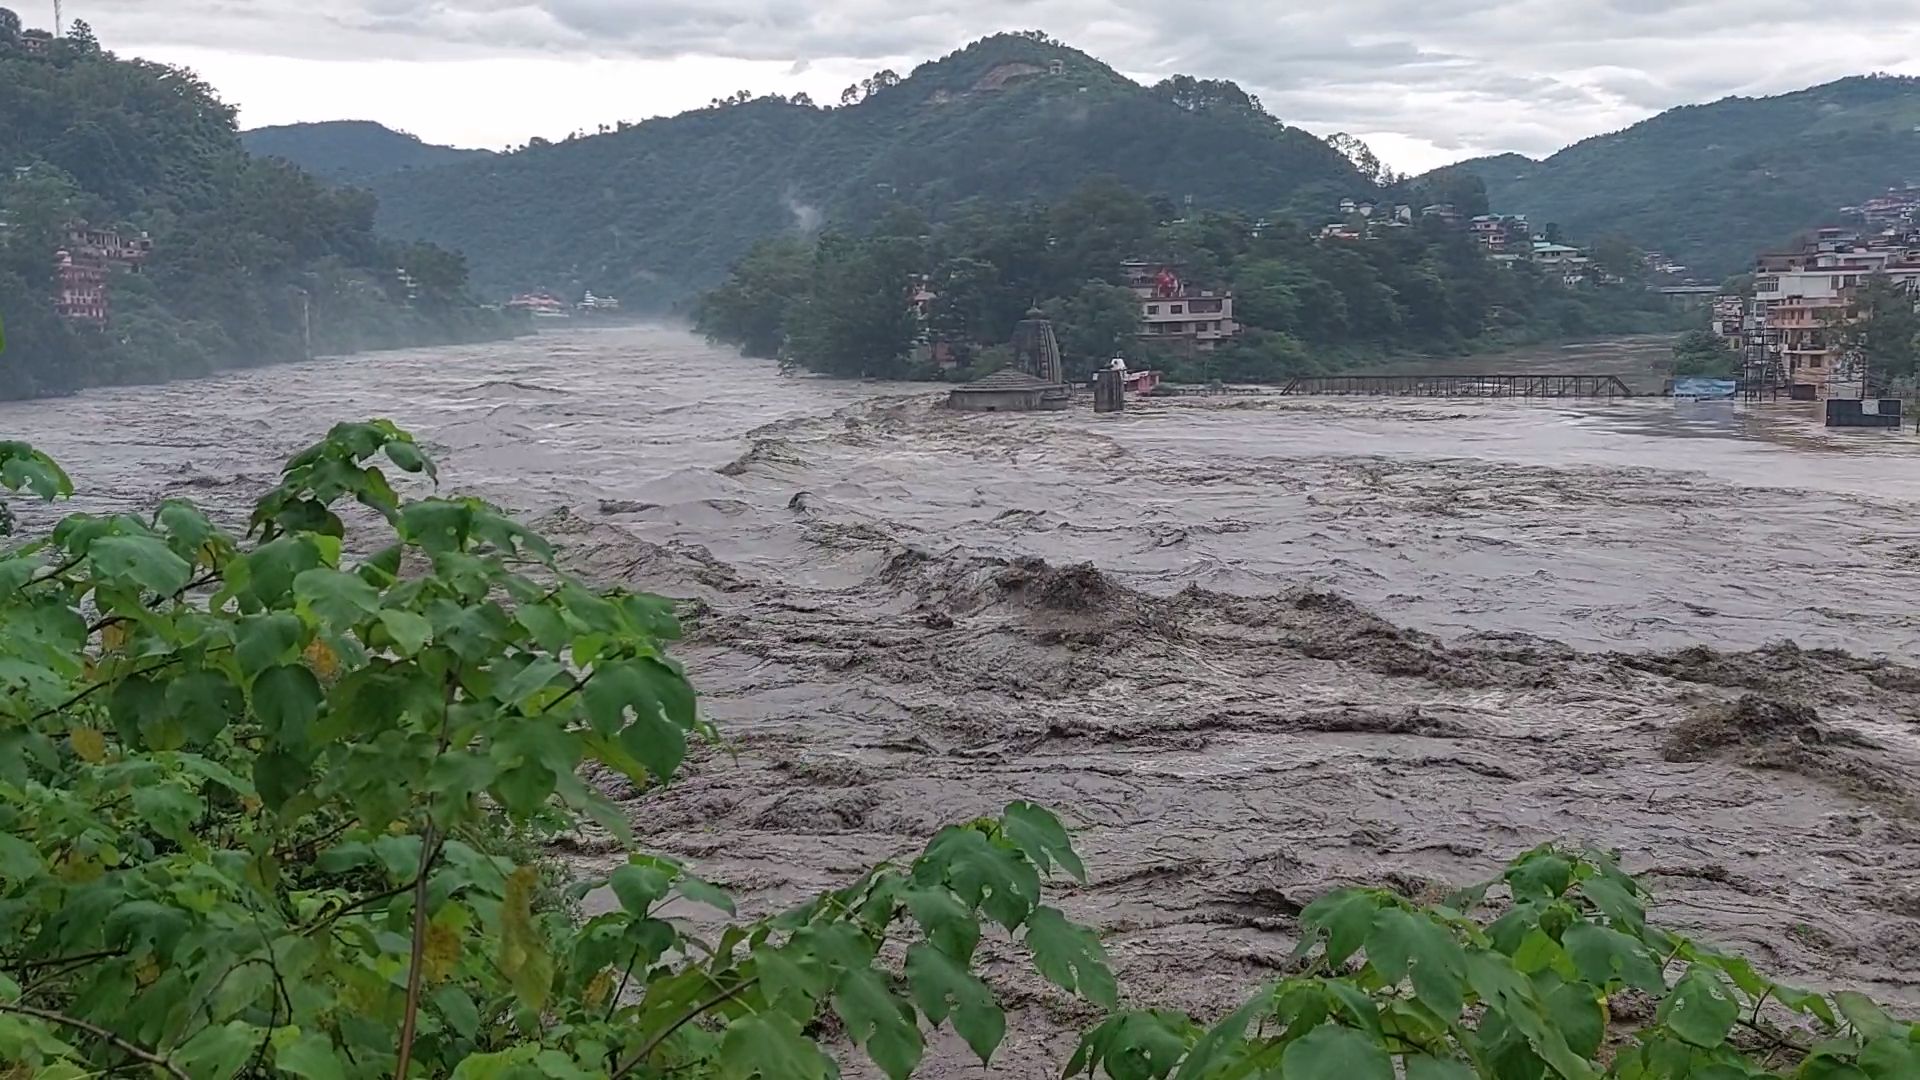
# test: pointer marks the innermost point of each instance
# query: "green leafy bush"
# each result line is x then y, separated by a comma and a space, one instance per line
254, 795
1390, 989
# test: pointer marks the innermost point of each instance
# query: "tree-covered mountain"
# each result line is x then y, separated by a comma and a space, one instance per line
352, 151
660, 209
1713, 184
237, 250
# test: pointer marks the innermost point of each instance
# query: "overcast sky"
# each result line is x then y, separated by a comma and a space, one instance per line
1423, 81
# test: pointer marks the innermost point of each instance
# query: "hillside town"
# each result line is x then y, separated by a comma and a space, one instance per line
1787, 328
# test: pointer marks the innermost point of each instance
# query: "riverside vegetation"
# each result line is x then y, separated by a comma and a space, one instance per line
836, 303
265, 805
241, 245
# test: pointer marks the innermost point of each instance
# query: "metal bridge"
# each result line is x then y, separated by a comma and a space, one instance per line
1561, 386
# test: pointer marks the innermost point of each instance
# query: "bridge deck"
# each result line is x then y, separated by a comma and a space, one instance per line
1603, 386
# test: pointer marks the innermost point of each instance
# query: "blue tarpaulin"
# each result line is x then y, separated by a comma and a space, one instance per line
1704, 388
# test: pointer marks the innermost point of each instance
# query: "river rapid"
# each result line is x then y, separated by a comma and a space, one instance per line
1250, 647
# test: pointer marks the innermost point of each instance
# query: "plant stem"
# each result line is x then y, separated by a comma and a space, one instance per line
414, 965
158, 1061
654, 1043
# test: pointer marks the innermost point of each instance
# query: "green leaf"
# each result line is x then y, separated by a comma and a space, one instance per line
1331, 1052
410, 632
20, 861
772, 1047
878, 1022
536, 676
203, 703
1616, 903
342, 599
278, 776
1345, 917
1891, 1057
1541, 874
408, 457
941, 987
1699, 1009
1603, 956
286, 699
310, 1055
1040, 835
168, 810
219, 1050
261, 641
639, 887
1425, 1067
1582, 1021
1402, 943
1070, 957
1223, 1038
704, 892
457, 1009
948, 924
143, 560
1867, 1018
273, 565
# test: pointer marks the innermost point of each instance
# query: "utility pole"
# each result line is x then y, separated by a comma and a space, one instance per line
59, 23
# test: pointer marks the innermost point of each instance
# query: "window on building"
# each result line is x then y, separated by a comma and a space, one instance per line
1153, 309
1813, 361
1178, 309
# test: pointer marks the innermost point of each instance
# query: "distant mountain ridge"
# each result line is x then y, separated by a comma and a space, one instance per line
659, 210
1711, 185
352, 151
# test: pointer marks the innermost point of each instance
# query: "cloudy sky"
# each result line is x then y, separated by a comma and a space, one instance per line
1423, 81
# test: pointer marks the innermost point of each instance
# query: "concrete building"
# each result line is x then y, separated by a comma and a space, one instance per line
1171, 313
81, 289
1502, 233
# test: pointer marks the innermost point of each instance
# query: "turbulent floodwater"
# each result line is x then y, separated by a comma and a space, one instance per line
1250, 647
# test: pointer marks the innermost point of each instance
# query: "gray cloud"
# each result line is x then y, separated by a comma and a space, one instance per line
1460, 75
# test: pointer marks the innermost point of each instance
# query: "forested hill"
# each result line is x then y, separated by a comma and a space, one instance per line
240, 246
1713, 184
659, 209
352, 151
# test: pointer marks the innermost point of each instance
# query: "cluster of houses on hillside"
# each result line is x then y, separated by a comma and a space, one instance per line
82, 269
1789, 332
1508, 239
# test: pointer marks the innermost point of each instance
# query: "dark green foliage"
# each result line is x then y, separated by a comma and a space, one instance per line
240, 245
840, 306
269, 812
1386, 988
352, 151
660, 210
1712, 185
1704, 353
1883, 330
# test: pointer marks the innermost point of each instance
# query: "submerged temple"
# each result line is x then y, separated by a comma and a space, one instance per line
1037, 379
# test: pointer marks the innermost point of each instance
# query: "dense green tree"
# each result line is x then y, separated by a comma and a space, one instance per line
1703, 353
81, 40
843, 305
9, 27
242, 247
1096, 323
1882, 329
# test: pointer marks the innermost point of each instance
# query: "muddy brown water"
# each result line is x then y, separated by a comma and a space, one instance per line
1314, 642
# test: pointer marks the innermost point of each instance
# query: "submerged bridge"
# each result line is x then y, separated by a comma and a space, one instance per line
1585, 386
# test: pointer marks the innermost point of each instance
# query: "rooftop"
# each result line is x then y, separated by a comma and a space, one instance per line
1007, 379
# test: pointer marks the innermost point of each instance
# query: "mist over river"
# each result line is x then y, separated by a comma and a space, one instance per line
1319, 641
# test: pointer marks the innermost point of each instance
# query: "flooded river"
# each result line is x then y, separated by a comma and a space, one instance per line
1250, 647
